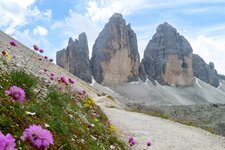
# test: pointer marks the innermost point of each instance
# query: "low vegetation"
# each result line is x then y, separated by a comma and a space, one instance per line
34, 115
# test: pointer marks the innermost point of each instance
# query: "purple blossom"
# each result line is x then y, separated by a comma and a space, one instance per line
39, 137
51, 60
41, 50
13, 43
7, 142
46, 57
71, 81
149, 143
63, 79
40, 59
16, 93
80, 92
52, 74
36, 48
52, 78
132, 141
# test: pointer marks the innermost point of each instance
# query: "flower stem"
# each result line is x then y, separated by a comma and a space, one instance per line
28, 60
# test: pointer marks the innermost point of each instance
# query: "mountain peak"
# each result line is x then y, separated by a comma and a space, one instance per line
165, 27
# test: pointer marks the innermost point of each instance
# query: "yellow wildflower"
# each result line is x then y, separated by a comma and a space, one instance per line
89, 103
7, 56
114, 129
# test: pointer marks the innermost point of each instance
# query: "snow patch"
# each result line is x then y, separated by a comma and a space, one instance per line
219, 85
134, 82
92, 81
198, 83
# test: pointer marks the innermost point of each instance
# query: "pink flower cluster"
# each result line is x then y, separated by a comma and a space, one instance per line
64, 80
149, 143
16, 93
132, 141
36, 48
39, 137
7, 142
13, 43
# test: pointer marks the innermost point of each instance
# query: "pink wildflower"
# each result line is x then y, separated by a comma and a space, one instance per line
39, 137
63, 79
36, 48
16, 93
71, 81
7, 142
41, 50
13, 43
132, 141
149, 143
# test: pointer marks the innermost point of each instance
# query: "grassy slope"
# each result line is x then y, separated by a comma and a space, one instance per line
71, 122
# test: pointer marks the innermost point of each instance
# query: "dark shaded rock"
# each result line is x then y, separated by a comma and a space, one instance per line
222, 77
205, 72
115, 56
168, 57
75, 58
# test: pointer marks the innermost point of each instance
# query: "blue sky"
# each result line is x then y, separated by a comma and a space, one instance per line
49, 23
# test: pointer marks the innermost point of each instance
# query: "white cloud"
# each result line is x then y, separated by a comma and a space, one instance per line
211, 50
16, 13
102, 10
39, 30
75, 24
29, 39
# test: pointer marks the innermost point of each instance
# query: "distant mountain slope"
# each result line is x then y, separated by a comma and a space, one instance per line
147, 93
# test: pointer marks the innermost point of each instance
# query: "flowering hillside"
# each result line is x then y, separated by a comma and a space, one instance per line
53, 114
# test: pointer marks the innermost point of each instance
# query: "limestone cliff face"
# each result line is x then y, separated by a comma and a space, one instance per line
205, 72
115, 56
75, 58
168, 57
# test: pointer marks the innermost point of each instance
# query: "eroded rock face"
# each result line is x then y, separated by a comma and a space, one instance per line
115, 56
205, 72
222, 77
168, 57
75, 58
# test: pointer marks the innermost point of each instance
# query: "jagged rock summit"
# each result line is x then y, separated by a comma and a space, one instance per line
75, 58
168, 58
205, 72
115, 57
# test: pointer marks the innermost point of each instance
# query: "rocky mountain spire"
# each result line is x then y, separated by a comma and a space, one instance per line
168, 57
205, 72
75, 58
115, 56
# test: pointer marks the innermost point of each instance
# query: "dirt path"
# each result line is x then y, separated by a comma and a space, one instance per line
165, 134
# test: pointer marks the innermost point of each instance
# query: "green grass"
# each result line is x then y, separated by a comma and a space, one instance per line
26, 81
72, 124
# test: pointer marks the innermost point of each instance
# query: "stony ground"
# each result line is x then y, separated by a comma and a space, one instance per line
165, 134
